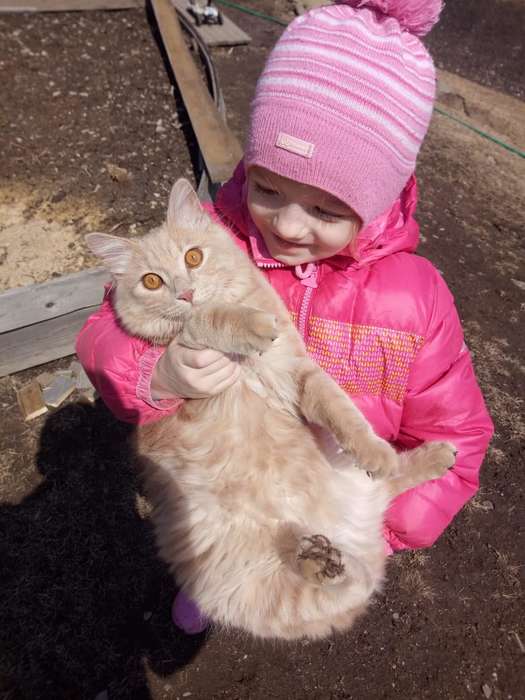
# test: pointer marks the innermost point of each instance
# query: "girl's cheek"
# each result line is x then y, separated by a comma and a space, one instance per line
259, 211
345, 235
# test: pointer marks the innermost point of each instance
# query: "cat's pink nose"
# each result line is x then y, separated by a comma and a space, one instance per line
186, 295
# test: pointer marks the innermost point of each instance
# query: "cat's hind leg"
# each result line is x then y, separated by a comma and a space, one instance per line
322, 402
429, 461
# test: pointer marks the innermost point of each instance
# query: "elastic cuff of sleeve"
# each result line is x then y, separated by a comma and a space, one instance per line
390, 541
147, 364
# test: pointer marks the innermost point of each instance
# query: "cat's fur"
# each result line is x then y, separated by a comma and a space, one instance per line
267, 522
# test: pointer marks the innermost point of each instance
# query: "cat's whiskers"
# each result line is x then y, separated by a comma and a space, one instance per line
172, 312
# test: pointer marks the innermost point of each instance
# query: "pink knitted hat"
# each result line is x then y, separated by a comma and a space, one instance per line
345, 100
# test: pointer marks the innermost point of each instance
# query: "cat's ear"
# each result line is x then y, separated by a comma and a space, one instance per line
185, 209
115, 252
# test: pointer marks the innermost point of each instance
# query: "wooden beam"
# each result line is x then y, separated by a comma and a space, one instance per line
67, 5
39, 323
220, 149
41, 342
35, 303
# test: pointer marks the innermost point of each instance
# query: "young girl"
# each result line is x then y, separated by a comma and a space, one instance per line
323, 202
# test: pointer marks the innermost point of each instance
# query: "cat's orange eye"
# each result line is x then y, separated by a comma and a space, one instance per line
152, 281
194, 257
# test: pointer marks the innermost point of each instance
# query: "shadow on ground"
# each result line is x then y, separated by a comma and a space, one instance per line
84, 601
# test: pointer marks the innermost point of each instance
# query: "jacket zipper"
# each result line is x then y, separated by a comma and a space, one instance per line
269, 266
303, 312
302, 321
309, 278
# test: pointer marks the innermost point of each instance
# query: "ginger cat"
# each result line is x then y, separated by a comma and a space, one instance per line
269, 498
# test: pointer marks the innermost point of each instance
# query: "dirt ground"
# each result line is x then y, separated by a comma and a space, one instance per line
84, 601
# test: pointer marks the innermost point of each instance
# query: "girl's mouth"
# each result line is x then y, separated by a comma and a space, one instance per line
282, 243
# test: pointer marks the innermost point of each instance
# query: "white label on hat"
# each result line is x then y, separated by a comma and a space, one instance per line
295, 145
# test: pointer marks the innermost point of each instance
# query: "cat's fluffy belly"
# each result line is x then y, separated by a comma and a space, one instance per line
241, 512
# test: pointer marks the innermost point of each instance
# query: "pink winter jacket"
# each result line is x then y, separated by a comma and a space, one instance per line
380, 320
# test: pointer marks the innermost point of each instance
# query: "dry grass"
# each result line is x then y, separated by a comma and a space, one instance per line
511, 574
414, 584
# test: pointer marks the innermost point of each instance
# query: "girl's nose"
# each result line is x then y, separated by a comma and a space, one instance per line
290, 222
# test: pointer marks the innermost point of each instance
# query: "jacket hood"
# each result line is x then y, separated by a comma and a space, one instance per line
394, 231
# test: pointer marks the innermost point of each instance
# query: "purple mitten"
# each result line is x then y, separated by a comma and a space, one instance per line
186, 615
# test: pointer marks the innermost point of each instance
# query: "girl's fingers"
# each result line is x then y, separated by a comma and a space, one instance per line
199, 359
222, 375
216, 366
228, 381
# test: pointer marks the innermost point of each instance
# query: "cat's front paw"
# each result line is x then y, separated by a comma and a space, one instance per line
258, 332
433, 459
378, 458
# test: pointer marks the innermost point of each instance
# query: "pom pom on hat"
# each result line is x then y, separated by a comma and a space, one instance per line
416, 16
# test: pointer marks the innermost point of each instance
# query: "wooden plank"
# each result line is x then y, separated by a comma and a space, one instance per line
39, 323
225, 34
220, 149
67, 5
41, 342
58, 391
31, 401
35, 303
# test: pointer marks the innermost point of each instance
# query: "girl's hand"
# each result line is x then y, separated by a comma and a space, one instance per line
192, 374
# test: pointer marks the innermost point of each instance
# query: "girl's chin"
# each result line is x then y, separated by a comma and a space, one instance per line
291, 255
294, 259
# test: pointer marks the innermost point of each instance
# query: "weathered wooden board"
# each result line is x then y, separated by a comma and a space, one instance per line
31, 401
39, 323
225, 34
220, 149
41, 342
67, 5
35, 303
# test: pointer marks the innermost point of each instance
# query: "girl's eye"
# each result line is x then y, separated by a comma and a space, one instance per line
264, 190
152, 281
326, 215
193, 257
